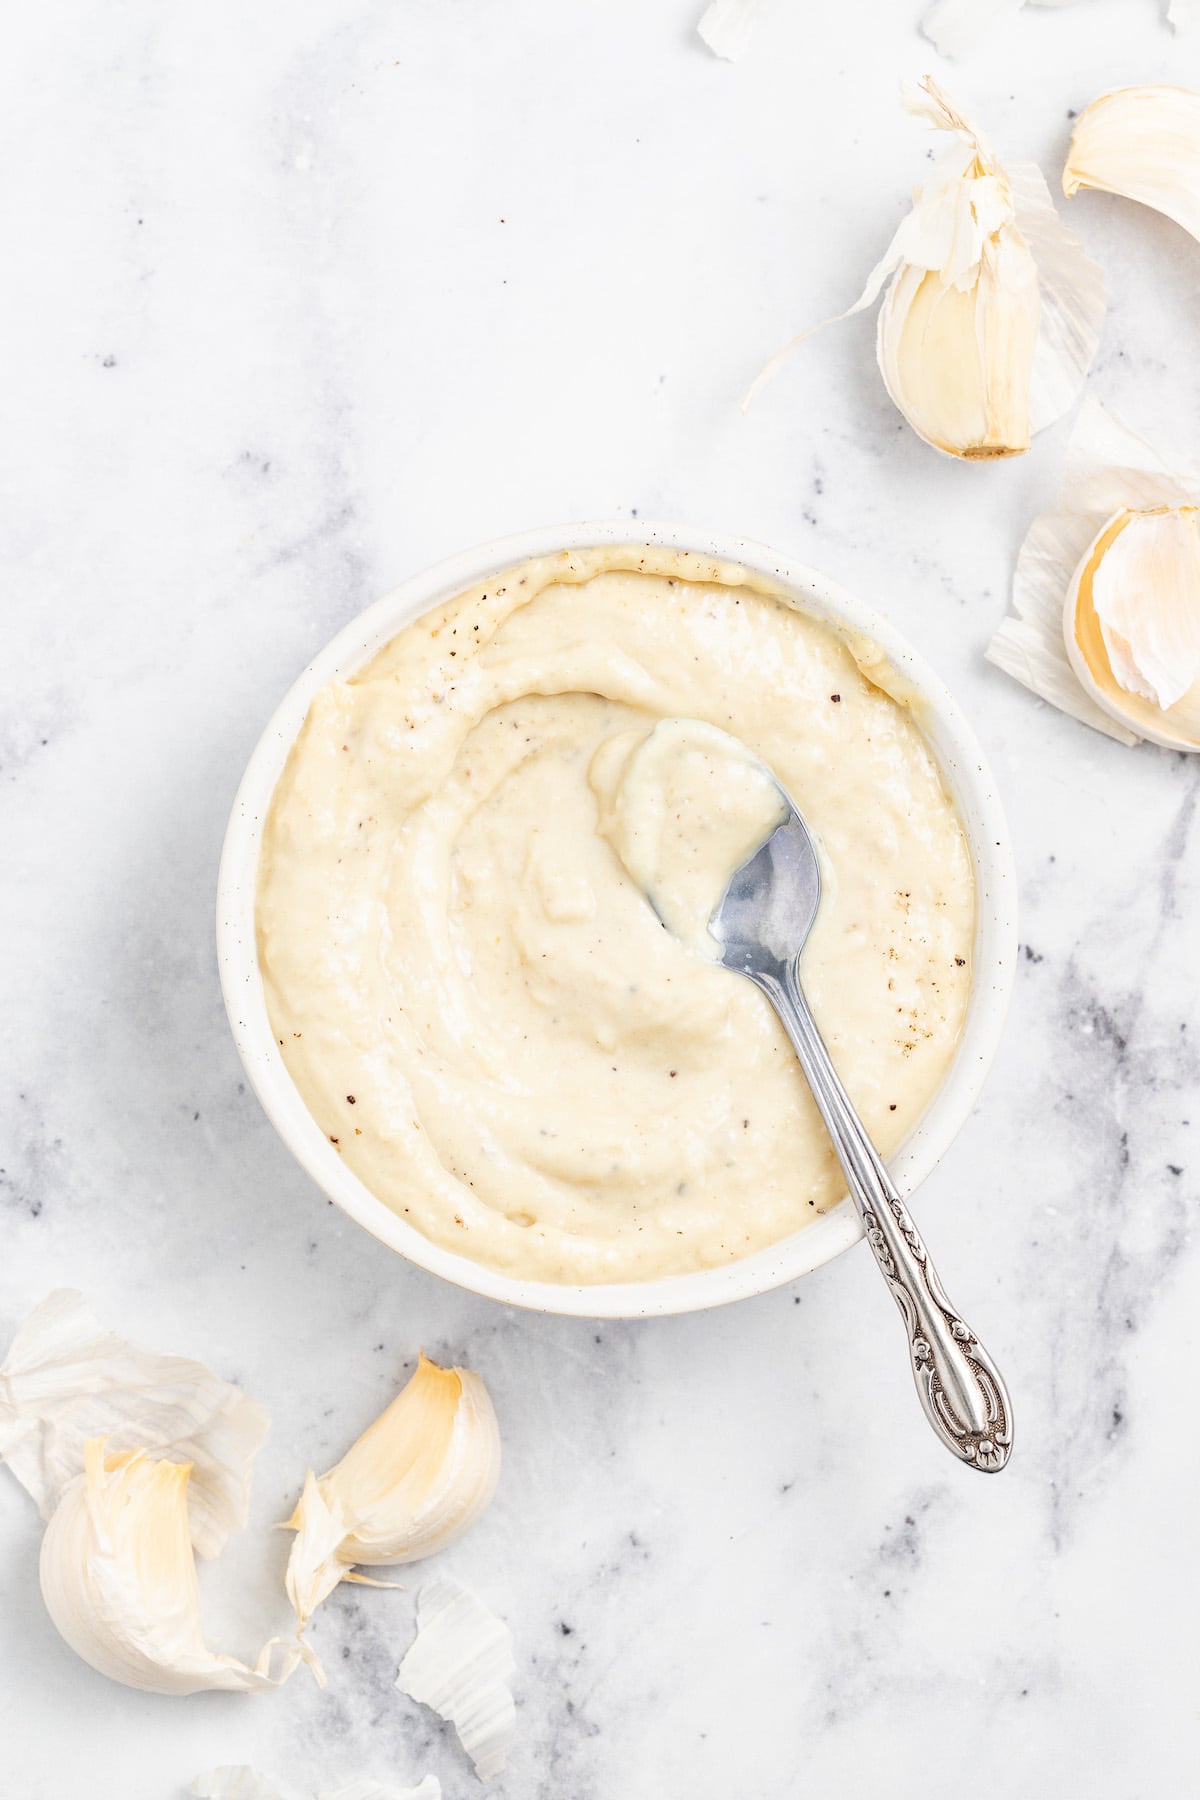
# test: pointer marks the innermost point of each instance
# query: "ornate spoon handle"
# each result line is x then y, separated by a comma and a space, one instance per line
960, 1387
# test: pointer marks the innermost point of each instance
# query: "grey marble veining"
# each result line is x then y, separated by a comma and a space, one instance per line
299, 299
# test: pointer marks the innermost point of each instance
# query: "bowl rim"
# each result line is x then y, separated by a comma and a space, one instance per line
966, 773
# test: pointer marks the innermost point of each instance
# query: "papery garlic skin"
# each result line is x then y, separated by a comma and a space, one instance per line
993, 310
461, 1664
415, 1480
1131, 623
1142, 143
118, 1577
726, 27
66, 1380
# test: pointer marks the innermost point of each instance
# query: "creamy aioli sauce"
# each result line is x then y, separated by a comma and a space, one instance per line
683, 806
467, 984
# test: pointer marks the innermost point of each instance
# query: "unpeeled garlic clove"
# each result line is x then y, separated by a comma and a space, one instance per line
957, 360
415, 1480
1131, 623
1101, 588
118, 1577
1142, 143
993, 311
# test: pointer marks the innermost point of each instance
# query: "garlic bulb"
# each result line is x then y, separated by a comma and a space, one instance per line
415, 1480
993, 312
461, 1664
1131, 623
1106, 595
65, 1380
1144, 144
119, 1580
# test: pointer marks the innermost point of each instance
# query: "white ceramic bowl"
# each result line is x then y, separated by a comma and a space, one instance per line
995, 947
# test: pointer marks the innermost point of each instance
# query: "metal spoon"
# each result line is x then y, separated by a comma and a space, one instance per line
762, 924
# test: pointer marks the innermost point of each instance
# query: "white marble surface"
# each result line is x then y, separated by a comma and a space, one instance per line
297, 299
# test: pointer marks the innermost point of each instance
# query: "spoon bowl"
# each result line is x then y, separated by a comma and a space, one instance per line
770, 905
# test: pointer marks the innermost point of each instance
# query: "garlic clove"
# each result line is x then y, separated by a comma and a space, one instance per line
1106, 616
66, 1380
460, 1665
1028, 645
1142, 143
957, 360
119, 1580
415, 1480
1131, 623
993, 311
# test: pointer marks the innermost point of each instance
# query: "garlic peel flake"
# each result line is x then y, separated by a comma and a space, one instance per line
726, 26
415, 1480
460, 1665
119, 1580
1108, 466
66, 1380
1142, 143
